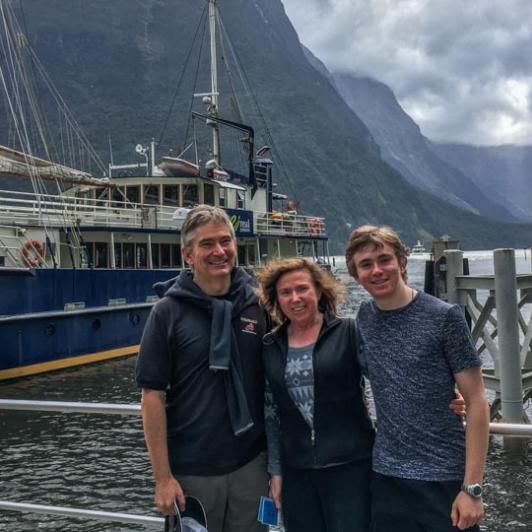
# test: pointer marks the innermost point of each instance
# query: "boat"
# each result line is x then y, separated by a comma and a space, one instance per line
418, 249
77, 264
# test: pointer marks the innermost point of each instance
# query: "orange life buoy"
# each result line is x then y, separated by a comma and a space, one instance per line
315, 226
33, 253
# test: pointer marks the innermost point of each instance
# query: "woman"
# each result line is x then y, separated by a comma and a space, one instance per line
318, 426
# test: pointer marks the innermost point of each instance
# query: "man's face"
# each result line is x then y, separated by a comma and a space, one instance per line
378, 270
213, 252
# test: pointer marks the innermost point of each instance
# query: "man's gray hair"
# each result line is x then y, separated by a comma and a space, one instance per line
202, 215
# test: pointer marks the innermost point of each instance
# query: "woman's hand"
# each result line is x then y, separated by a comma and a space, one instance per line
276, 482
458, 405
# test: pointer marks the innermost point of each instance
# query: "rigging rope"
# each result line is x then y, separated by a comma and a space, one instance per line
180, 79
247, 87
196, 75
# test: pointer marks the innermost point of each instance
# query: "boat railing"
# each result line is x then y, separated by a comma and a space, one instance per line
513, 429
289, 224
54, 210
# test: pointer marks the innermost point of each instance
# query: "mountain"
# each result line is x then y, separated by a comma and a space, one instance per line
117, 65
504, 171
409, 152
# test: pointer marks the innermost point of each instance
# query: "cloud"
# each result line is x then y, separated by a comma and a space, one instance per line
462, 70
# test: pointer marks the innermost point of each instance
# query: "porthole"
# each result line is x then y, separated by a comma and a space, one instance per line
50, 330
134, 318
96, 324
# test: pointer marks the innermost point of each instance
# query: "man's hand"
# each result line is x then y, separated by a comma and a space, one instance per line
276, 483
466, 511
457, 405
166, 492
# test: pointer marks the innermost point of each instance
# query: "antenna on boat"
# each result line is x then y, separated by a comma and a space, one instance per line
111, 160
151, 166
213, 107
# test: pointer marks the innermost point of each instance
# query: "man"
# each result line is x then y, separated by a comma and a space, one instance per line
199, 368
415, 349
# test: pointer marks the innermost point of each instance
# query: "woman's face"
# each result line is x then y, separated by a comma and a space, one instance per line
297, 296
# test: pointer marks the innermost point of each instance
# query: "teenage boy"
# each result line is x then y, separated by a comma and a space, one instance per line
200, 371
415, 349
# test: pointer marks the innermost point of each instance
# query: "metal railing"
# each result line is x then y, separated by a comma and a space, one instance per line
513, 429
508, 429
53, 210
97, 515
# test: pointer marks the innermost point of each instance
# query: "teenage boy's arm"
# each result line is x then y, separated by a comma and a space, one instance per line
167, 488
466, 510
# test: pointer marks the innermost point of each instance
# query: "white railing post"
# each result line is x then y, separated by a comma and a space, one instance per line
455, 266
508, 332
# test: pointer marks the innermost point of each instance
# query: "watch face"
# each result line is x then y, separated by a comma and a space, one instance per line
477, 490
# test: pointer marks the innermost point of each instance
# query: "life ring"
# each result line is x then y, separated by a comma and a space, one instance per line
315, 226
33, 253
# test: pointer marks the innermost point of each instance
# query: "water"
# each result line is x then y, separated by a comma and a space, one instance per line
99, 462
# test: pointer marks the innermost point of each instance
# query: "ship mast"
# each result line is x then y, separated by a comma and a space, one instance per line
213, 108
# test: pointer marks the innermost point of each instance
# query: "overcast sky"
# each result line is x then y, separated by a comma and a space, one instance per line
462, 69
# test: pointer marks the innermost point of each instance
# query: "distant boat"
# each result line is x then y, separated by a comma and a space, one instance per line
418, 249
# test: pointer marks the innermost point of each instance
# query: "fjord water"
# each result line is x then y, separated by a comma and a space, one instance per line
99, 462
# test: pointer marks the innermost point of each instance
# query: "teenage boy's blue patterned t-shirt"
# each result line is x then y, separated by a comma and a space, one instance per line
410, 356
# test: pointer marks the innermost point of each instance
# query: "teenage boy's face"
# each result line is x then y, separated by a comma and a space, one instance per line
378, 270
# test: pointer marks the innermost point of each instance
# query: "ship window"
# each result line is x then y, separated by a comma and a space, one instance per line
171, 195
222, 196
118, 255
100, 255
118, 197
251, 250
151, 195
142, 255
129, 255
208, 194
133, 193
190, 195
240, 199
101, 194
242, 254
155, 255
89, 253
83, 194
165, 256
176, 256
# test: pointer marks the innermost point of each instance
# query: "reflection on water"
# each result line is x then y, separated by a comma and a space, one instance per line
100, 462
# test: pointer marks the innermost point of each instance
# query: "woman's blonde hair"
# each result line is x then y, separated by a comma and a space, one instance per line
329, 289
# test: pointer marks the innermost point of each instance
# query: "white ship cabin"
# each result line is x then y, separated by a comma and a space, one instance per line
133, 222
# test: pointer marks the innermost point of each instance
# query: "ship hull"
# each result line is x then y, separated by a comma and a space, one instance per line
56, 318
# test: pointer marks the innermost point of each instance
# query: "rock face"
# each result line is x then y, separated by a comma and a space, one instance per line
504, 171
127, 69
410, 153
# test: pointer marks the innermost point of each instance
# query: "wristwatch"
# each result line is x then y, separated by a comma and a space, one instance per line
474, 490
